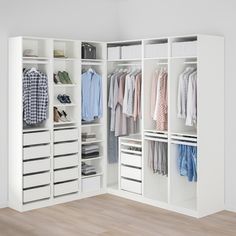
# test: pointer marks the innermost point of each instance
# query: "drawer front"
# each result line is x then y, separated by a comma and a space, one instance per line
65, 135
131, 186
36, 180
36, 194
36, 166
131, 173
66, 188
65, 161
36, 138
131, 160
36, 152
66, 148
64, 175
91, 184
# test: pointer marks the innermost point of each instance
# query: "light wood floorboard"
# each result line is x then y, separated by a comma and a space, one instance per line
108, 215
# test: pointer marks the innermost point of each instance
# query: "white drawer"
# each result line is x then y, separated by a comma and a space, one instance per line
66, 148
66, 188
36, 194
131, 186
131, 160
36, 166
91, 184
65, 135
65, 161
36, 180
36, 152
36, 138
131, 173
64, 175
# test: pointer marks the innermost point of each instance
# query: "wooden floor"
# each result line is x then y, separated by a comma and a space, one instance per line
107, 215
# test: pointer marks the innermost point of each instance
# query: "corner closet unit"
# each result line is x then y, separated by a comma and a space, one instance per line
46, 131
180, 163
156, 134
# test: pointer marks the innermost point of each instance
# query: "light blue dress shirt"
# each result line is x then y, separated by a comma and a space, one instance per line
92, 104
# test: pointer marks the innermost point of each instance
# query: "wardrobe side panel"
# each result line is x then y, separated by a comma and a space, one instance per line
15, 123
210, 191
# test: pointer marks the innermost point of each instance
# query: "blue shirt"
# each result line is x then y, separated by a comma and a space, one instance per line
92, 105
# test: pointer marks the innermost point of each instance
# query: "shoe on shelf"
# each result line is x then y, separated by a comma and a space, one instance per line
61, 77
67, 77
66, 98
55, 79
66, 116
56, 116
61, 99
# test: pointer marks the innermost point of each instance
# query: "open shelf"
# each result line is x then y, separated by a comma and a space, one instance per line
90, 142
90, 176
91, 159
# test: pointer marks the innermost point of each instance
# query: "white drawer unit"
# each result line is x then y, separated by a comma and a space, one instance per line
66, 148
91, 184
63, 135
65, 161
130, 159
35, 152
36, 180
36, 138
131, 186
65, 175
131, 173
36, 166
66, 188
36, 194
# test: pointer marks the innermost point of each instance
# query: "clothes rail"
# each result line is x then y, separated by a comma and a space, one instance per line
156, 139
155, 135
185, 143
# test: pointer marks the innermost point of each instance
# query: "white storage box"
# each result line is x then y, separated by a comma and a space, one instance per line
91, 184
182, 49
36, 138
65, 135
131, 186
113, 53
156, 50
66, 188
131, 52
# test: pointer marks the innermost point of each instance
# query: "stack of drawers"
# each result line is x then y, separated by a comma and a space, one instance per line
66, 161
36, 166
131, 165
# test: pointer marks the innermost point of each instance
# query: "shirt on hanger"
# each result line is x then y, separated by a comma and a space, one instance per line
92, 102
35, 97
137, 96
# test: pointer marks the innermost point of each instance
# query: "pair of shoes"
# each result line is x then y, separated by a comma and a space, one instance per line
56, 79
60, 116
63, 98
64, 77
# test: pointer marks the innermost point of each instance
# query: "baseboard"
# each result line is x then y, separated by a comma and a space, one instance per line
230, 208
3, 204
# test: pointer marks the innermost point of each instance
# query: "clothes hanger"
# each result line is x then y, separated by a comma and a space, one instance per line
33, 69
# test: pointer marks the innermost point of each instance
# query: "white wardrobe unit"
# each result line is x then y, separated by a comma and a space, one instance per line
45, 160
205, 54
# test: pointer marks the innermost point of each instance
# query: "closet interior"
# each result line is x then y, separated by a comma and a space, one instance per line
129, 118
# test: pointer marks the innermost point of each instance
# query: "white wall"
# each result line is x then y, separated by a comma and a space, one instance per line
76, 19
153, 18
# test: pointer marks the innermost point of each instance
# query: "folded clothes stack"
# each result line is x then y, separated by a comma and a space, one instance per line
87, 137
90, 151
88, 169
